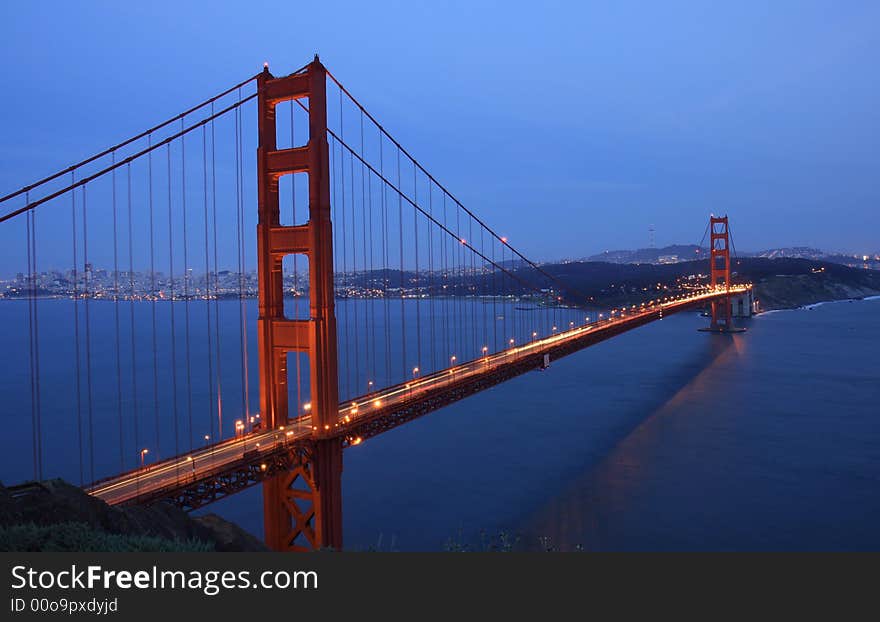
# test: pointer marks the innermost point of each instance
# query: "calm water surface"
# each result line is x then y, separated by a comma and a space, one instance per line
662, 438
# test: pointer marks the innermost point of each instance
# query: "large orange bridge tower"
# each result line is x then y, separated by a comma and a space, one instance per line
302, 506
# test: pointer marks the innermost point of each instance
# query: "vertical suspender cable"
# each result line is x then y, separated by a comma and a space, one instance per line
88, 273
79, 432
242, 263
402, 284
118, 342
174, 404
371, 301
207, 292
355, 299
30, 282
158, 445
385, 271
134, 399
186, 279
418, 283
368, 368
345, 306
239, 233
214, 438
296, 295
431, 293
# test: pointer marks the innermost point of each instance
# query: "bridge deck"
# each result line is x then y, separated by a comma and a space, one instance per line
214, 471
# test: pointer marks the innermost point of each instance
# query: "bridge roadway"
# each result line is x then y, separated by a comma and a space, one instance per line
220, 469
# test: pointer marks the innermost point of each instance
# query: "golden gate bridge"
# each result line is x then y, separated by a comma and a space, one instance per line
424, 289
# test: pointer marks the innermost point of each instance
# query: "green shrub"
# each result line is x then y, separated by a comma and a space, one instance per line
71, 537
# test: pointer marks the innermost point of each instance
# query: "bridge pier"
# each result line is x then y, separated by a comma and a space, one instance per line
302, 507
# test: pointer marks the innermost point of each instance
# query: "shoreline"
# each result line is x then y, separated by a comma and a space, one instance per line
819, 303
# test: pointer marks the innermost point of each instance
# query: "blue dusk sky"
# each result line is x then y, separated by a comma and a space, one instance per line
572, 127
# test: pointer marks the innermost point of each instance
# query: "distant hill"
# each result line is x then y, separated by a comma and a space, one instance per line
674, 253
686, 252
779, 283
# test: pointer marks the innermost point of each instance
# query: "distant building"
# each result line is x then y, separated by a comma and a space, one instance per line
664, 259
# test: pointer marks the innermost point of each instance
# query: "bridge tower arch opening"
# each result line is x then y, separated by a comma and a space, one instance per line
302, 506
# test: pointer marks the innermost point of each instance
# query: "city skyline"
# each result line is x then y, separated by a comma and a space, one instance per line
624, 142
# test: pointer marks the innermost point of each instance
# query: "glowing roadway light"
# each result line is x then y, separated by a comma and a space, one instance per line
357, 441
534, 334
511, 341
207, 438
415, 372
452, 359
504, 240
377, 403
143, 452
307, 406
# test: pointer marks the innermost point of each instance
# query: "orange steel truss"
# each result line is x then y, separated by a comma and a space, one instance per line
303, 506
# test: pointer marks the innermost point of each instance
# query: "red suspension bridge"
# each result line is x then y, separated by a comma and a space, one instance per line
406, 303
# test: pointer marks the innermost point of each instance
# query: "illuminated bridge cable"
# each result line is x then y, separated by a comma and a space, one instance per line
117, 147
85, 180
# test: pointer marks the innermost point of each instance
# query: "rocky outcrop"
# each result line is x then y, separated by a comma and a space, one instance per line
55, 502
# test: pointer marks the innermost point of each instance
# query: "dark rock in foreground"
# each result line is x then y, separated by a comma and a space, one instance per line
60, 514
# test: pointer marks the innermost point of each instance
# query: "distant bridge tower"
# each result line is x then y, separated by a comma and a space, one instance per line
719, 267
303, 506
719, 271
